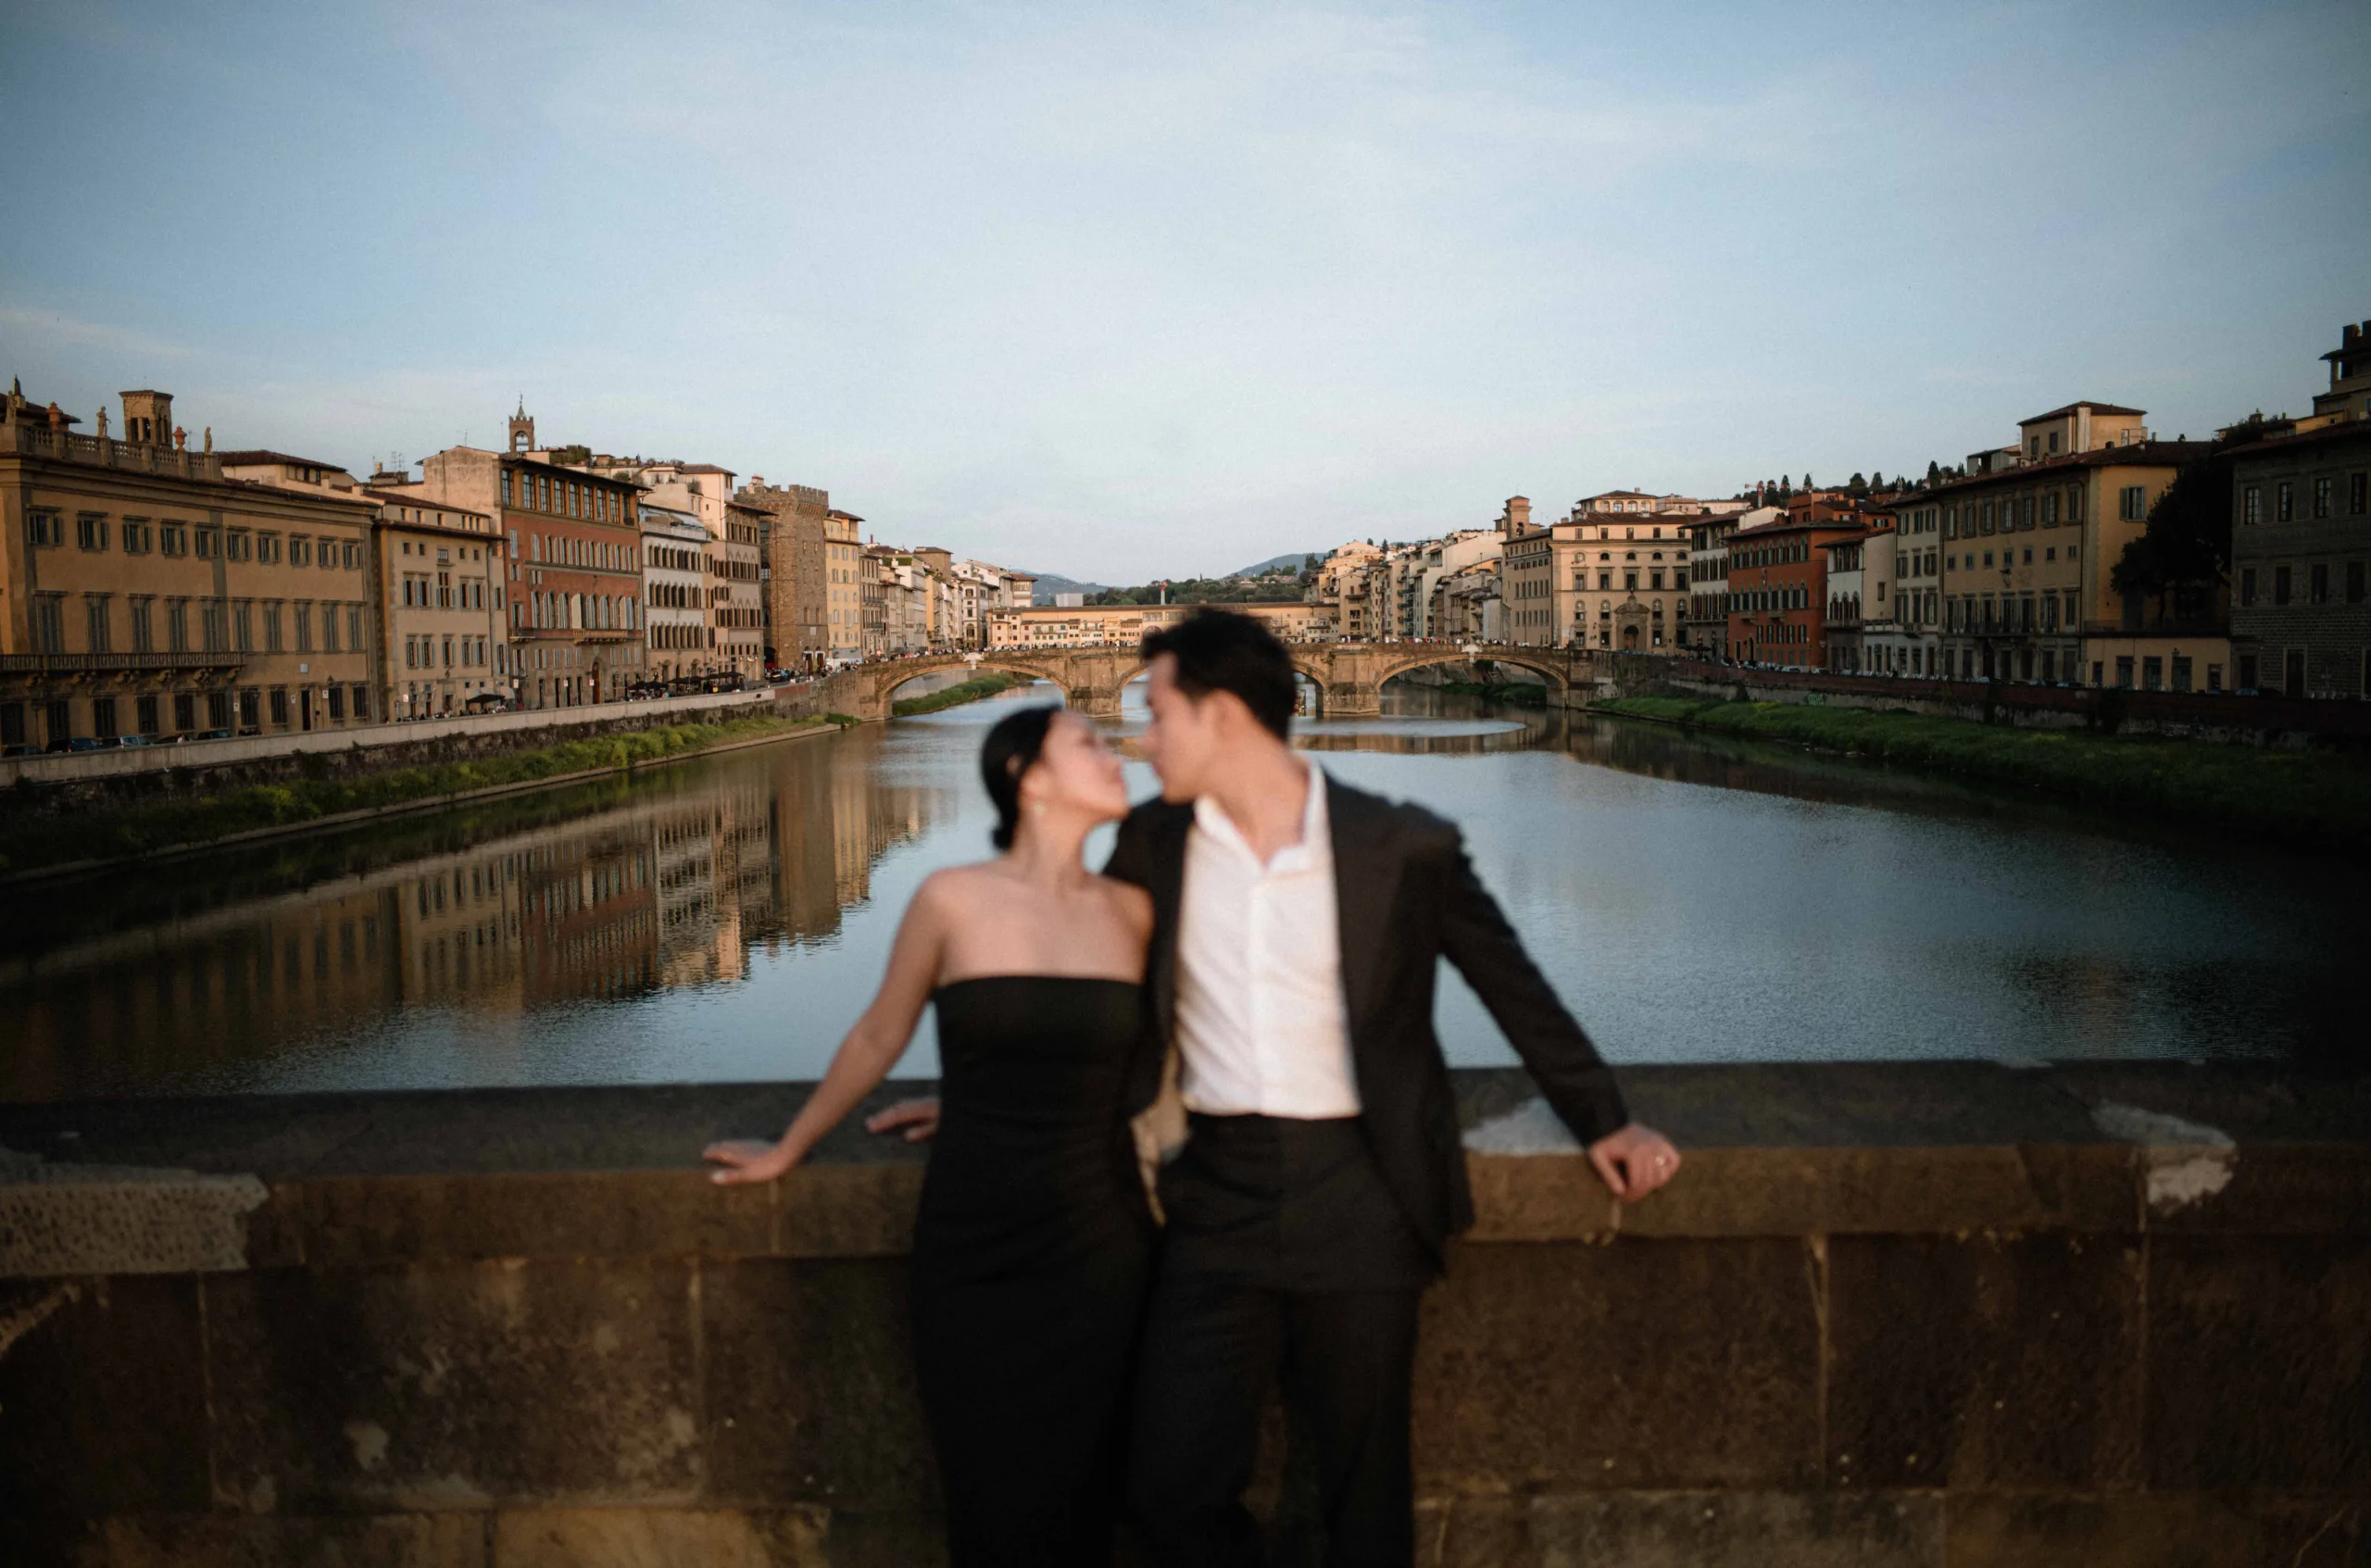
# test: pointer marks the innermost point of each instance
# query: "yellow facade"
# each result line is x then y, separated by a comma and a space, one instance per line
144, 595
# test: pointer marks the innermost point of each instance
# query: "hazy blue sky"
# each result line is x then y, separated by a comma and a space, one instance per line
1123, 292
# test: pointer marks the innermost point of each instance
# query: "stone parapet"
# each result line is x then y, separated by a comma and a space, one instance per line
1910, 1314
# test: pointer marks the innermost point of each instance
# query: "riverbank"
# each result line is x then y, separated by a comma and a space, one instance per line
2303, 796
972, 690
32, 842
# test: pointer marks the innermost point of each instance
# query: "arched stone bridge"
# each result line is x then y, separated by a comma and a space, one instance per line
1349, 676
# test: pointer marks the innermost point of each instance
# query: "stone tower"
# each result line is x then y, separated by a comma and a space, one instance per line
148, 417
522, 430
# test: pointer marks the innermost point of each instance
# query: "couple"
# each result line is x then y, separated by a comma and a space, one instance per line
1261, 947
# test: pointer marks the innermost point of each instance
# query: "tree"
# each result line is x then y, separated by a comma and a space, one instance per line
1934, 472
2184, 553
1858, 484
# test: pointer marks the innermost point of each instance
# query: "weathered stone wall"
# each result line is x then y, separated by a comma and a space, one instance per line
1888, 1315
2263, 721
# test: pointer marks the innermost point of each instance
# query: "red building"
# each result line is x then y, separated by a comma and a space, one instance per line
573, 547
1779, 583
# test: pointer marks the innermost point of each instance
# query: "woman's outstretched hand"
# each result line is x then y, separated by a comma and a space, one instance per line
746, 1159
1633, 1162
918, 1118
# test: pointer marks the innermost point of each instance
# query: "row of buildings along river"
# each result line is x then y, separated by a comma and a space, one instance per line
609, 893
153, 590
2000, 567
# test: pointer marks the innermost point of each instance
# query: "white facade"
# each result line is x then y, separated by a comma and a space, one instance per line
675, 593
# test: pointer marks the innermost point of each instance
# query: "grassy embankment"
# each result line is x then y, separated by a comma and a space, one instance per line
2309, 797
30, 840
972, 690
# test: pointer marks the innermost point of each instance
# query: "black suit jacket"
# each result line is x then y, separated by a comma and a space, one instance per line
1406, 895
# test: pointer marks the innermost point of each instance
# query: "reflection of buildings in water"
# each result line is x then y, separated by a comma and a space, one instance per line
672, 890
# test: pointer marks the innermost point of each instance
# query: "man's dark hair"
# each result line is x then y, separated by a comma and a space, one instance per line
1219, 651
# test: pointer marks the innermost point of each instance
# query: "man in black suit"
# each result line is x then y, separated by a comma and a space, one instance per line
1297, 923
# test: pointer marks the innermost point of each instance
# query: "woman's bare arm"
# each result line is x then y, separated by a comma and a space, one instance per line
864, 1057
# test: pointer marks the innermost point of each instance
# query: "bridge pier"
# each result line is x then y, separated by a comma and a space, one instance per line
1353, 699
1096, 702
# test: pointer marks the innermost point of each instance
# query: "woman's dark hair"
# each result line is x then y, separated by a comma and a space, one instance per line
1011, 750
1217, 650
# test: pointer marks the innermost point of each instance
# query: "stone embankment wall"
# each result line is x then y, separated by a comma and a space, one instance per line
1888, 1316
2263, 721
79, 780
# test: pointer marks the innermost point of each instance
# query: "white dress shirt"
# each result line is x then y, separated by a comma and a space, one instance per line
1262, 1027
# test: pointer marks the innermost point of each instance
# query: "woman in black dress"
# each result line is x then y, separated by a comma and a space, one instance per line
1032, 1247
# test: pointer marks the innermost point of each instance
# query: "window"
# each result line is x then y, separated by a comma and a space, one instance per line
280, 704
177, 627
2321, 497
361, 696
2124, 672
184, 711
2251, 505
44, 529
304, 628
2354, 581
172, 539
268, 548
2181, 671
2075, 506
137, 536
2152, 673
505, 490
217, 710
354, 628
2317, 585
103, 719
336, 695
2280, 584
209, 543
145, 714
2132, 503
2358, 494
243, 626
95, 615
2247, 672
216, 618
91, 531
272, 627
143, 635
238, 544
2284, 501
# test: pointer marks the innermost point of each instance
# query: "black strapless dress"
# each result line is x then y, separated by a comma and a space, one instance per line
1031, 1253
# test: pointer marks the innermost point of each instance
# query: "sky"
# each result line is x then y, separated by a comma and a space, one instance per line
1126, 292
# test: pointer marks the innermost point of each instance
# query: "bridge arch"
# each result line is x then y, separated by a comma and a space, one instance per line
1551, 664
1027, 669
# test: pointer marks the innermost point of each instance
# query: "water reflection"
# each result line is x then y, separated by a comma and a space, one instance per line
727, 918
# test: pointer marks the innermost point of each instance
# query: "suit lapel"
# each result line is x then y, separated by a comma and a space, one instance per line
1362, 897
1168, 889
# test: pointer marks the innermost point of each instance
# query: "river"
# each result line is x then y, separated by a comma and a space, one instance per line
726, 918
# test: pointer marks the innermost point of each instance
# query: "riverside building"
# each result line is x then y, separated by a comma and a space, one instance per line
2027, 550
144, 594
441, 607
2301, 549
573, 564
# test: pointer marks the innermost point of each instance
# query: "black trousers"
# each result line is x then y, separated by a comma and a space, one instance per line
1285, 1256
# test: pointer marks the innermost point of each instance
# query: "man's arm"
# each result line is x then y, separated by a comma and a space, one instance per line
1631, 1159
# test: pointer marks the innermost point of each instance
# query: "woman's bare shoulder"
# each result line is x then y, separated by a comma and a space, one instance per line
960, 885
1133, 904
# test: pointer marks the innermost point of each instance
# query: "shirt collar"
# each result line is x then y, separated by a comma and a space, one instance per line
1210, 818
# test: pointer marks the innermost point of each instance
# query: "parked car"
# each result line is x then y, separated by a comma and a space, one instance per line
487, 702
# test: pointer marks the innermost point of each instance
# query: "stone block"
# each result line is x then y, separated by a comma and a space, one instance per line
652, 1538
63, 1219
2259, 1366
2296, 1189
1988, 1361
1891, 1191
102, 1396
364, 1219
458, 1387
2035, 1530
234, 1540
1751, 1529
810, 1387
864, 1211
1634, 1363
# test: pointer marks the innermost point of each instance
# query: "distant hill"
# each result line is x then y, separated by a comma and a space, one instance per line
1292, 559
1048, 585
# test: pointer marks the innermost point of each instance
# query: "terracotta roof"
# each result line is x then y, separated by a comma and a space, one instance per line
257, 456
2359, 429
2157, 454
2071, 408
